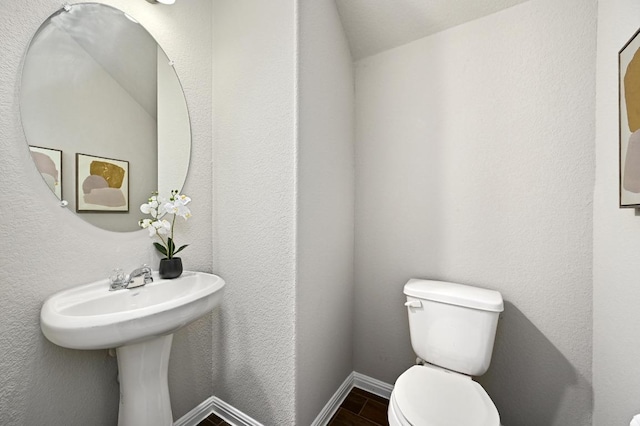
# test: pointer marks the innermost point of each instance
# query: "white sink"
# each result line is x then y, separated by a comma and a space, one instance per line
139, 323
92, 317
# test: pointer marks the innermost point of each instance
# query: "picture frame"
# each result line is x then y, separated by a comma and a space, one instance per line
629, 122
102, 184
48, 161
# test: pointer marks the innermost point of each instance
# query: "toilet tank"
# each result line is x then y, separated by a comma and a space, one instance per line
453, 326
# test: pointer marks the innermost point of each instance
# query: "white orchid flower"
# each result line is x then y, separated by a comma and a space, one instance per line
149, 209
178, 207
181, 205
162, 227
152, 226
159, 227
161, 210
184, 212
145, 223
183, 199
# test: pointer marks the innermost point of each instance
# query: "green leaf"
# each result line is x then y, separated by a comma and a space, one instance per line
161, 248
171, 247
180, 249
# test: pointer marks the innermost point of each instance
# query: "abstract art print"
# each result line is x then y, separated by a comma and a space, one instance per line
48, 161
102, 184
629, 112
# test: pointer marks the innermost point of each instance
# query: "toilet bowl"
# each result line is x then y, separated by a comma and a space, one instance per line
425, 396
452, 329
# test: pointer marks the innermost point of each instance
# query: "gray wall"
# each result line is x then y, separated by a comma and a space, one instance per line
616, 318
324, 297
48, 248
475, 164
255, 209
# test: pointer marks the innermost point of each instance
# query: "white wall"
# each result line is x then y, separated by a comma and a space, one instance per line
616, 318
48, 248
324, 298
475, 164
254, 233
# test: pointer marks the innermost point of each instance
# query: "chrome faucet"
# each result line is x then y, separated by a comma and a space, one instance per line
137, 278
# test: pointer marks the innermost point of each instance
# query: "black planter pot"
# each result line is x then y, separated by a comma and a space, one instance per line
170, 268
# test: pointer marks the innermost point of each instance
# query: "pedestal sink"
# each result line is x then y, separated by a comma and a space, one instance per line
140, 324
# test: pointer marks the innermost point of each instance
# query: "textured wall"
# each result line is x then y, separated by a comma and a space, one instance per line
324, 298
254, 213
475, 164
47, 249
616, 318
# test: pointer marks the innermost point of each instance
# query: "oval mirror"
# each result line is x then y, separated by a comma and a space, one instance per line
104, 114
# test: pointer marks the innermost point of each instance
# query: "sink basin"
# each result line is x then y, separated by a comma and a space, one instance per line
140, 324
92, 317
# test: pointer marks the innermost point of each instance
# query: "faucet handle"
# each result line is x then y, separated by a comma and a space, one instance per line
148, 277
117, 276
118, 280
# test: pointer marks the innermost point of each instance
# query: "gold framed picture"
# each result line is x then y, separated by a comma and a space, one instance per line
102, 184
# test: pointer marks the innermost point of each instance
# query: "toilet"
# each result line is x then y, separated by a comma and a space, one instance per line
452, 327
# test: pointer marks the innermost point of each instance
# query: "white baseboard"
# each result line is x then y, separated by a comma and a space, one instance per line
372, 385
232, 415
198, 414
356, 380
334, 403
236, 417
221, 409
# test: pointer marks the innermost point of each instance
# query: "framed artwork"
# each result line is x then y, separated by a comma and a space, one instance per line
102, 184
48, 161
629, 114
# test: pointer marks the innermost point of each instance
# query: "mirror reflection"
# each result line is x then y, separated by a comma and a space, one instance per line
104, 114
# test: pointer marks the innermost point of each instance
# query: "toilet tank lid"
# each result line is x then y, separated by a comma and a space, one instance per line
455, 294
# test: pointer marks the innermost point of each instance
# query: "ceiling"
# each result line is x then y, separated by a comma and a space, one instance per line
373, 26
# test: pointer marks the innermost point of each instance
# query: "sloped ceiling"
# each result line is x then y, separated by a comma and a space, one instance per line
124, 49
373, 26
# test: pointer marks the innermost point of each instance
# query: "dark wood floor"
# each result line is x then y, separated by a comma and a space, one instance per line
360, 408
213, 420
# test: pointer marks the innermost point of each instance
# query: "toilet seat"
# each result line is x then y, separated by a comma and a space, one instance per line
425, 396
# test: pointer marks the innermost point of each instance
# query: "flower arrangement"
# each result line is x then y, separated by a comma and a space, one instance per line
159, 208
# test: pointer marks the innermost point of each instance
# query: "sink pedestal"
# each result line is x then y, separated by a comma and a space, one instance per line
144, 390
91, 317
